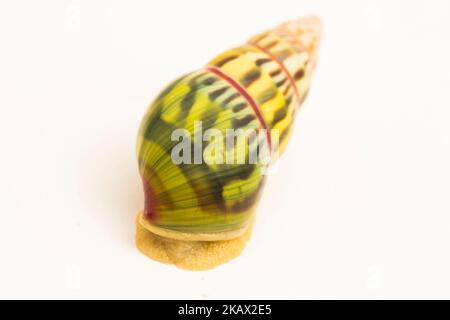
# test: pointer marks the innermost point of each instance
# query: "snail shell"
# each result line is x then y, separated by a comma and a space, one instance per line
257, 86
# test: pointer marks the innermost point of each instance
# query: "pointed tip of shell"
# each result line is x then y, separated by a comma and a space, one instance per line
305, 33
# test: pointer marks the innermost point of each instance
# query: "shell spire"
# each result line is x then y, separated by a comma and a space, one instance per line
305, 33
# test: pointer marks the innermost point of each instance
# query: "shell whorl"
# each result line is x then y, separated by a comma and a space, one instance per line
256, 86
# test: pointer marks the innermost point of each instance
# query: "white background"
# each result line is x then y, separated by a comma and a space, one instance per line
359, 206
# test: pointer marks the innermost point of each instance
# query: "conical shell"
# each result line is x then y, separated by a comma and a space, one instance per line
255, 88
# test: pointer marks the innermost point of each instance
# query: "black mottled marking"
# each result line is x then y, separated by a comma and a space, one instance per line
249, 201
209, 81
231, 98
262, 61
299, 74
239, 107
242, 122
225, 60
284, 133
279, 115
217, 191
188, 101
193, 80
268, 95
275, 73
209, 118
260, 37
283, 55
251, 77
245, 171
288, 100
206, 196
217, 93
280, 83
153, 125
271, 44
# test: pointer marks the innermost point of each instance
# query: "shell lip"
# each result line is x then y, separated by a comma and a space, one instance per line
178, 235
